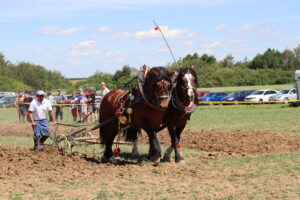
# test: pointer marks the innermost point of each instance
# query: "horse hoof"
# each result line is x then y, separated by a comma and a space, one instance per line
166, 159
135, 155
155, 160
180, 161
113, 161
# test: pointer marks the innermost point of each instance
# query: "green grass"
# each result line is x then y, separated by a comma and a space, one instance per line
267, 117
15, 140
10, 115
256, 87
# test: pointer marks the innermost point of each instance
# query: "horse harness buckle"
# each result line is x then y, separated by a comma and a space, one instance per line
124, 114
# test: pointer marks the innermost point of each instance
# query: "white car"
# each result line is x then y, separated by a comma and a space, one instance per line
261, 95
285, 95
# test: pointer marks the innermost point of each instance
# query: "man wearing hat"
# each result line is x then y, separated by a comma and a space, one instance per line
105, 90
37, 114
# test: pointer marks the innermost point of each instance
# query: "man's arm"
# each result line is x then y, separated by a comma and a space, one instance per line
16, 104
31, 118
53, 117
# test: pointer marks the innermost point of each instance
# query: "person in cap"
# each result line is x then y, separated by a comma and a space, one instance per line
37, 114
59, 108
105, 90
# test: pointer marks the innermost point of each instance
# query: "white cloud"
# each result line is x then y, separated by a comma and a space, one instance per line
220, 27
244, 29
169, 33
231, 41
194, 35
104, 29
214, 45
85, 48
114, 53
88, 43
123, 35
84, 52
54, 30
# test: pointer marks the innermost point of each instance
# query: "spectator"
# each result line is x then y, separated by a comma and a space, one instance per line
74, 102
51, 100
37, 114
83, 106
91, 105
79, 107
105, 90
97, 105
19, 104
59, 108
27, 101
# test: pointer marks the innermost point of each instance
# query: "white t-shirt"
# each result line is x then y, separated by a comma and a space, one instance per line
39, 110
104, 92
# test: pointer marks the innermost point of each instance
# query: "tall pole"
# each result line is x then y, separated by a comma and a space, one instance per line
157, 28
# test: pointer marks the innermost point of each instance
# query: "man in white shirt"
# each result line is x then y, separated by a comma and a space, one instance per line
37, 114
105, 90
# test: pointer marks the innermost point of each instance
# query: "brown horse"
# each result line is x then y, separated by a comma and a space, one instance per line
182, 105
148, 103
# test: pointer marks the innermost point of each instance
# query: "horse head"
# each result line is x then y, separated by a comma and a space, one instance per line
186, 86
158, 87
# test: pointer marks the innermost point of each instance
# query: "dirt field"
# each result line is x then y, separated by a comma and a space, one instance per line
49, 175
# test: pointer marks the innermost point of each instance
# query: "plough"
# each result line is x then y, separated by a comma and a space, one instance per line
79, 134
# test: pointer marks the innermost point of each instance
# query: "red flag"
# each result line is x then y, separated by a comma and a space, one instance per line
156, 28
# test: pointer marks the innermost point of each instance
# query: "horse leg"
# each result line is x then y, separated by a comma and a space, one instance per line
178, 157
108, 155
154, 149
135, 150
169, 151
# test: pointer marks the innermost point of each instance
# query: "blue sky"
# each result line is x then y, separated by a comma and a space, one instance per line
78, 37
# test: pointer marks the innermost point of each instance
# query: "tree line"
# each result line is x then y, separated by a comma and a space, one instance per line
28, 76
270, 68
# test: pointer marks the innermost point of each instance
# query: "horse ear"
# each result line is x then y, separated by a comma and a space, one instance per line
193, 67
171, 74
154, 72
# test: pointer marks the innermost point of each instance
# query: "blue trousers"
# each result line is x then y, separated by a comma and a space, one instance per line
41, 128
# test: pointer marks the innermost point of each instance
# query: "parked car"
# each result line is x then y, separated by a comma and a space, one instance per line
237, 96
261, 95
213, 96
285, 95
7, 101
30, 93
201, 94
4, 94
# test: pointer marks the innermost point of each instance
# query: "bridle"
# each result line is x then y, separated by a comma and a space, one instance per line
176, 102
141, 87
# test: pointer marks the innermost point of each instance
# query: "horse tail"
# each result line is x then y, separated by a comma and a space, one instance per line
102, 138
131, 133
